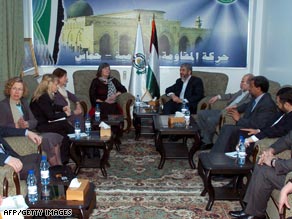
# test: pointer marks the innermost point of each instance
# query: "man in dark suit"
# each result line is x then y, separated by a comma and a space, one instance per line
208, 120
20, 164
282, 125
269, 174
187, 88
259, 113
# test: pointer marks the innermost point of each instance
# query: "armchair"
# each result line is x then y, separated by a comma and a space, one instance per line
12, 185
82, 80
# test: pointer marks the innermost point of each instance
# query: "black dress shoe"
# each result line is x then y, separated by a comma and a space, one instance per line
237, 213
206, 146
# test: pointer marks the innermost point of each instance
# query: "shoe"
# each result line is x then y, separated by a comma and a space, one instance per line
250, 217
237, 213
204, 146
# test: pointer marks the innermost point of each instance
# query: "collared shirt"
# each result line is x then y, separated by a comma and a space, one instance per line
239, 98
183, 90
256, 100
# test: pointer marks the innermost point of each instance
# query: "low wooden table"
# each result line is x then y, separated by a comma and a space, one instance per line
143, 119
211, 164
57, 200
77, 152
174, 150
117, 124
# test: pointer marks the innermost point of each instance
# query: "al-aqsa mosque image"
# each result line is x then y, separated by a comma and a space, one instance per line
111, 36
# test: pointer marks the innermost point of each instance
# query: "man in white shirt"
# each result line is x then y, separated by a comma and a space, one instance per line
187, 88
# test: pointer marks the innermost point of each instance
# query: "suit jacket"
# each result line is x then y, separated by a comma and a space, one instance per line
232, 96
283, 167
45, 110
6, 118
263, 114
278, 130
8, 132
194, 91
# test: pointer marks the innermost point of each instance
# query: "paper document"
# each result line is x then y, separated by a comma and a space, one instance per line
231, 154
82, 134
56, 120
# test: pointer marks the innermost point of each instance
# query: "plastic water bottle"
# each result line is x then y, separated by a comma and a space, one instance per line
137, 101
32, 190
241, 152
77, 129
87, 125
184, 107
187, 116
97, 113
45, 173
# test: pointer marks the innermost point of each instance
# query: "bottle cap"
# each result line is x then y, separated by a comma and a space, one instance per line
30, 171
44, 157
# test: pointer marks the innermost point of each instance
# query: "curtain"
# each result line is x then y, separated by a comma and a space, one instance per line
11, 38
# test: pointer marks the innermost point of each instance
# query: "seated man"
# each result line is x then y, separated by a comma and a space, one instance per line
258, 113
269, 174
208, 120
20, 164
187, 88
282, 125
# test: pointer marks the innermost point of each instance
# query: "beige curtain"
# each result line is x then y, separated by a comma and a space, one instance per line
11, 38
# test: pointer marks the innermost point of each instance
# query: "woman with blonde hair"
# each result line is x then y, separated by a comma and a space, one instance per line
15, 112
50, 116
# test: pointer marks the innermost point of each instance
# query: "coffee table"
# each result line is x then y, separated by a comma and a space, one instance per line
211, 164
174, 150
78, 156
117, 124
143, 119
57, 200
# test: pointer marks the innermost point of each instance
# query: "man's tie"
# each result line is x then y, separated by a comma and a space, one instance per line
253, 105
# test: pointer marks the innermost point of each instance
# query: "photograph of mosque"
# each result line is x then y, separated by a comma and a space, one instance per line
92, 33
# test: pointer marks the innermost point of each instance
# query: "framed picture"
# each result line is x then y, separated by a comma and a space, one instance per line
29, 61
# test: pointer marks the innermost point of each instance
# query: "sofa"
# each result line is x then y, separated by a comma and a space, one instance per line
214, 83
82, 80
10, 183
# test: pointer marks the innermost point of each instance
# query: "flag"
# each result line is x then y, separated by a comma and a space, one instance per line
137, 85
153, 75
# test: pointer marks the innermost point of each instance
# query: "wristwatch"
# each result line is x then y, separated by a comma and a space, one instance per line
273, 162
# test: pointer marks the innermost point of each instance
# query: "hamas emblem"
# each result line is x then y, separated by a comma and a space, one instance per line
226, 1
139, 62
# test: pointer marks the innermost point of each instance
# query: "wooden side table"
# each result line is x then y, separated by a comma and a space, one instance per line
211, 164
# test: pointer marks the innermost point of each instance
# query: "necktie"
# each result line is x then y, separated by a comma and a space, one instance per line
253, 105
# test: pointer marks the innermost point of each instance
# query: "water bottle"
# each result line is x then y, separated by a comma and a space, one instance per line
137, 101
77, 129
241, 152
87, 125
183, 107
97, 113
32, 190
44, 168
46, 193
187, 116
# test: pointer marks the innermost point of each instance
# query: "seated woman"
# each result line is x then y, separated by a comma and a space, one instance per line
50, 116
63, 97
104, 90
15, 112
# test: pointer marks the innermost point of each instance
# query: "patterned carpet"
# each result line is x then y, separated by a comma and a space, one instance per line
136, 189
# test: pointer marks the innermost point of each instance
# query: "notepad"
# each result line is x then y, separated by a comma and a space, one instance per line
231, 154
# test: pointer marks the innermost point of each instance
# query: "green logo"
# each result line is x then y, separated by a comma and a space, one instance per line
226, 1
139, 63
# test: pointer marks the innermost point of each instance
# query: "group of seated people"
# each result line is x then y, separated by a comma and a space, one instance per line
48, 119
252, 109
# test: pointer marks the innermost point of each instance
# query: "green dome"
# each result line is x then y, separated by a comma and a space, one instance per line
79, 8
